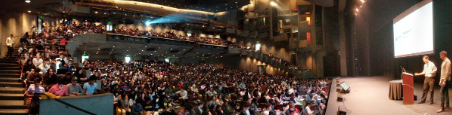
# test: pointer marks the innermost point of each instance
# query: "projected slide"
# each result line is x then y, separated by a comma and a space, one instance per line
413, 31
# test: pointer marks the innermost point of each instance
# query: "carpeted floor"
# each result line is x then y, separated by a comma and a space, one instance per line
369, 96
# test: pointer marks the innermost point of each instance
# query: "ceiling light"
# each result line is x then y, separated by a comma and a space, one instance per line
357, 9
96, 12
27, 1
29, 11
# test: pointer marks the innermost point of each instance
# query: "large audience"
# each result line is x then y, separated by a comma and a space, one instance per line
161, 88
169, 34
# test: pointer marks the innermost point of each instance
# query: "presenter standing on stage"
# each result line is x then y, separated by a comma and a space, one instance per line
429, 72
443, 81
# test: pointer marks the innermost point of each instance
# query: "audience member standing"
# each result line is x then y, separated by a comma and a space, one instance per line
9, 43
443, 81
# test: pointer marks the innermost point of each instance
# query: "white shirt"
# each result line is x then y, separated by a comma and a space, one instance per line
9, 42
44, 67
37, 61
445, 70
183, 94
309, 111
428, 68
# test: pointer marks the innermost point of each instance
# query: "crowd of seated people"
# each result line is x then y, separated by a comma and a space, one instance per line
270, 56
161, 88
168, 34
152, 87
46, 65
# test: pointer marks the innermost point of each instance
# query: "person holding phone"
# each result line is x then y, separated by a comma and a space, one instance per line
443, 82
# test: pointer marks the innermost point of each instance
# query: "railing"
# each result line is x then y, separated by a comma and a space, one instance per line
75, 107
78, 105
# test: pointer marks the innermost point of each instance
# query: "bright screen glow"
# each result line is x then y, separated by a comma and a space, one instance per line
84, 57
413, 31
127, 59
167, 60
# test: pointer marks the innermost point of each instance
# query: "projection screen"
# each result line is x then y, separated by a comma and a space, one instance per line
413, 31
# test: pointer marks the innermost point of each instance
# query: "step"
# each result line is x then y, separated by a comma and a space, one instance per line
9, 68
12, 104
10, 84
8, 59
15, 90
9, 71
17, 75
13, 111
10, 64
9, 79
9, 96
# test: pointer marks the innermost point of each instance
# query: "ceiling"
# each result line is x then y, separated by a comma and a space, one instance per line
20, 5
202, 5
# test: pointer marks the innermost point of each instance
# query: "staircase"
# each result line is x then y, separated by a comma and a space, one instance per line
11, 90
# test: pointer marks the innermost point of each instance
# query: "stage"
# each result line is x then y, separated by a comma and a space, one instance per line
369, 96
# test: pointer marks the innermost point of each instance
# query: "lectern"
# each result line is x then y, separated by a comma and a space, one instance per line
408, 89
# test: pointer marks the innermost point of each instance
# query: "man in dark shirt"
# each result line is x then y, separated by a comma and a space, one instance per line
137, 109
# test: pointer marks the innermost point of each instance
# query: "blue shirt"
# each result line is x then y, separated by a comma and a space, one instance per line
89, 88
32, 89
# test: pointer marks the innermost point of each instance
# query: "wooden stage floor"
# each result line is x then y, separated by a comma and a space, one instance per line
369, 96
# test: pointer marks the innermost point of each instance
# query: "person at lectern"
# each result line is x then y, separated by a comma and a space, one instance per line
443, 81
429, 72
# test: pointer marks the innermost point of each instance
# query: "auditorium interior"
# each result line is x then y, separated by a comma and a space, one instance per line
225, 57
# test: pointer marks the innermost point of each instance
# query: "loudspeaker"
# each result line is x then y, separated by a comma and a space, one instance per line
340, 112
340, 99
345, 87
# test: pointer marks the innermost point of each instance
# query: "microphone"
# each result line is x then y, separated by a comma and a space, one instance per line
403, 69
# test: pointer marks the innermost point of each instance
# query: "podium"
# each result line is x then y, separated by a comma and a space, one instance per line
408, 89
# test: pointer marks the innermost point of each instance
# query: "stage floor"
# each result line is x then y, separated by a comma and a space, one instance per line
369, 96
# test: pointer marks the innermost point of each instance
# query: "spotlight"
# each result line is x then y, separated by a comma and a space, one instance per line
27, 1
273, 3
147, 23
357, 9
29, 11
